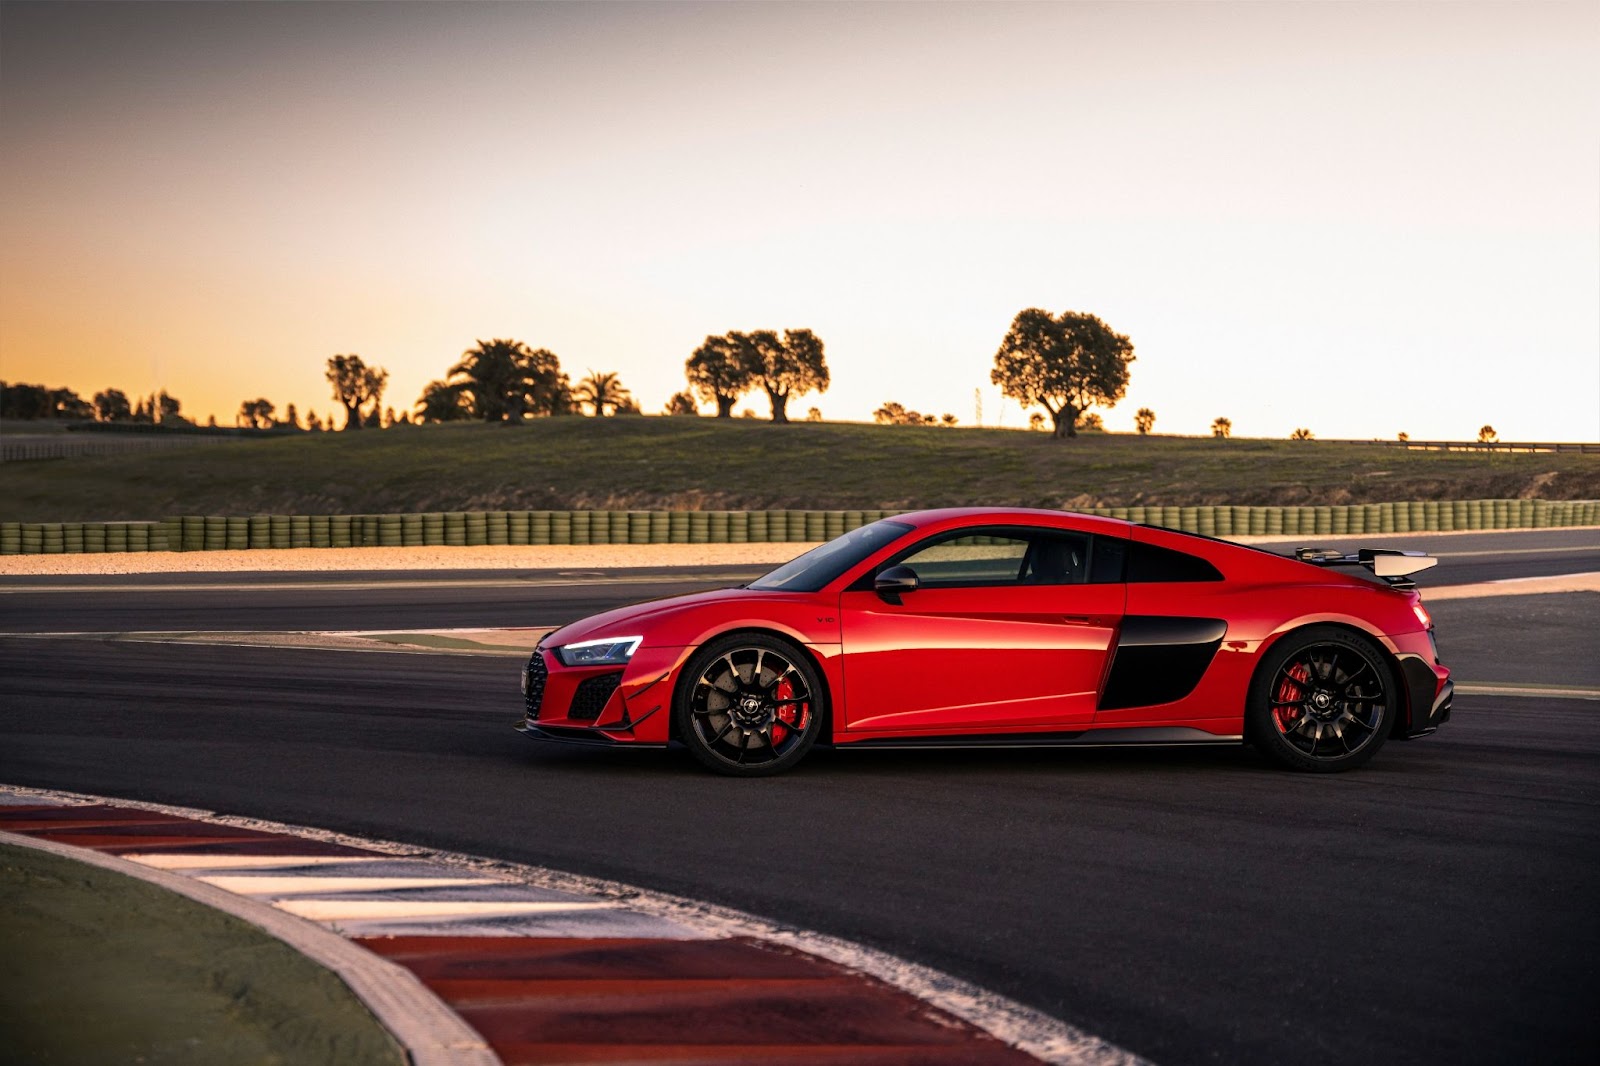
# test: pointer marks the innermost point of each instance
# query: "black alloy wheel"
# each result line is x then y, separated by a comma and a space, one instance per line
1324, 700
749, 705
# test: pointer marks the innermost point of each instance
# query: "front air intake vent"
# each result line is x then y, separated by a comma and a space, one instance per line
538, 673
591, 697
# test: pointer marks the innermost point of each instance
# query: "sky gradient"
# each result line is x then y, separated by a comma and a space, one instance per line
1357, 218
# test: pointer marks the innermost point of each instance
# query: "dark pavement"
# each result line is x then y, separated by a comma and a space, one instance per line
1192, 905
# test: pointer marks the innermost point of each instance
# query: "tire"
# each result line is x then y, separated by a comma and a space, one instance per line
749, 705
1323, 700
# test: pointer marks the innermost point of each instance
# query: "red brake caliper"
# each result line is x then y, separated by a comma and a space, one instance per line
790, 715
1291, 690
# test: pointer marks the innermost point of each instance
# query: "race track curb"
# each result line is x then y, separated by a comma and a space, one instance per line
471, 961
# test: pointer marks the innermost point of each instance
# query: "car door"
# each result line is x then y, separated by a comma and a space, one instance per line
1005, 630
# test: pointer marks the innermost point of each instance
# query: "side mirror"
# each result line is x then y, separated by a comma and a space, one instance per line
895, 580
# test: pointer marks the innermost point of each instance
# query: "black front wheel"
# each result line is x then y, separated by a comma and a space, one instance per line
1324, 700
749, 705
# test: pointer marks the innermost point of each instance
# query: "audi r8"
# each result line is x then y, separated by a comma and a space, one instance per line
1001, 627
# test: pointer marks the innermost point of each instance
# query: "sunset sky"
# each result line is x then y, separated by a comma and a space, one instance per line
1359, 218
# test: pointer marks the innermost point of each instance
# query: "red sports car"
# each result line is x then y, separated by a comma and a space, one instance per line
1013, 628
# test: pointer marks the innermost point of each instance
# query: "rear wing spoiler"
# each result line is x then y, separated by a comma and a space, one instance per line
1391, 564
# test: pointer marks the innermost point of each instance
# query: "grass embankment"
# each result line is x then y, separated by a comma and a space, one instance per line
713, 464
98, 967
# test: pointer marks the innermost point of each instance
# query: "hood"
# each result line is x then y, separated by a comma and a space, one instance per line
641, 618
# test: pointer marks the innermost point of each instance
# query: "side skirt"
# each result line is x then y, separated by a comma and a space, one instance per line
1168, 735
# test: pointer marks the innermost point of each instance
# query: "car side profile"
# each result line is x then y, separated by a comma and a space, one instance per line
1009, 627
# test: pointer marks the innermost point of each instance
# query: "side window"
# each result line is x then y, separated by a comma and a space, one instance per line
1146, 562
1109, 559
1010, 557
969, 560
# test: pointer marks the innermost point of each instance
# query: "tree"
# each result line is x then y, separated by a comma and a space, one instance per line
1091, 421
1065, 364
25, 402
442, 402
291, 417
255, 414
313, 423
506, 381
1487, 435
355, 385
1221, 428
1403, 437
718, 372
167, 408
786, 368
1301, 434
1144, 419
602, 392
894, 414
112, 406
64, 403
813, 414
682, 403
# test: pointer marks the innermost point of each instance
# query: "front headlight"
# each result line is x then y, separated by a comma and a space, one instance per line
611, 651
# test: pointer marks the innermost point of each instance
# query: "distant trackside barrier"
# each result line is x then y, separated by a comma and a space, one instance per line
215, 533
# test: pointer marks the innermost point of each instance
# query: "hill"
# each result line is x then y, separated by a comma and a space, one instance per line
707, 464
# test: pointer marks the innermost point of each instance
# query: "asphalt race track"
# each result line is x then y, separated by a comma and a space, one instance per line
1192, 905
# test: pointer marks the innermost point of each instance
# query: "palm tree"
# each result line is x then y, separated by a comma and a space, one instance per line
505, 380
602, 393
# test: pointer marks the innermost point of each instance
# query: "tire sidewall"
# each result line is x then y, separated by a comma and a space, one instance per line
1263, 733
682, 716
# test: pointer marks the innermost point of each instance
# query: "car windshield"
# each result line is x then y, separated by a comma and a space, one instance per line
811, 571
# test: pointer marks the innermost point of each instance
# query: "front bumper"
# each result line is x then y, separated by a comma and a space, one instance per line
601, 705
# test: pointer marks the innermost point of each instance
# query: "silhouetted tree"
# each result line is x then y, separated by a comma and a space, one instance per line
313, 423
1064, 363
112, 406
1035, 420
442, 402
1404, 436
1092, 420
167, 408
814, 414
682, 403
355, 385
948, 420
601, 392
1144, 419
1221, 428
1487, 435
291, 417
1301, 434
506, 381
894, 414
25, 402
719, 373
785, 368
255, 414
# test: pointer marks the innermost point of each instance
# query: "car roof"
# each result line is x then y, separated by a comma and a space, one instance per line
953, 517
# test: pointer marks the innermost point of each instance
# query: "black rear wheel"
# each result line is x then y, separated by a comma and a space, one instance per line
749, 705
1323, 700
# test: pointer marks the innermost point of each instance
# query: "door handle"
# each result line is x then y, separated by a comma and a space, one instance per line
1080, 619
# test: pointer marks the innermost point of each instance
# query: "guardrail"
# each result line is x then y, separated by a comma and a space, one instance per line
464, 528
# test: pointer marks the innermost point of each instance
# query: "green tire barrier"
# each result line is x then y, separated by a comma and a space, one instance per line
467, 528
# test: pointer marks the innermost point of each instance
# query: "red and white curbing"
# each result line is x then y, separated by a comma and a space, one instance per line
475, 961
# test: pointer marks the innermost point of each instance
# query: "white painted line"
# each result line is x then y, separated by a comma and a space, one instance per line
340, 910
1588, 581
429, 1031
1551, 692
249, 885
191, 861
